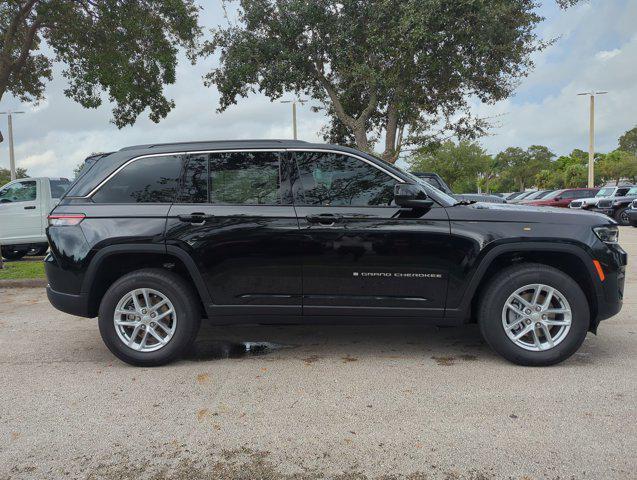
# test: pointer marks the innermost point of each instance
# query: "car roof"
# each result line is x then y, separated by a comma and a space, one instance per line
220, 144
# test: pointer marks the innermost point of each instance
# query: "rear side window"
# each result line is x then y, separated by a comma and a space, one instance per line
59, 187
147, 180
245, 178
25, 191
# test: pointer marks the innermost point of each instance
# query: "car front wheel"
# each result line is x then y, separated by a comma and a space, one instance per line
622, 216
149, 317
534, 314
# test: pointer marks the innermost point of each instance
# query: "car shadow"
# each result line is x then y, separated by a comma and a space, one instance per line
444, 344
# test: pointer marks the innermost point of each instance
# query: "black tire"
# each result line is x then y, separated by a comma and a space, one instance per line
508, 281
38, 251
621, 216
11, 253
185, 303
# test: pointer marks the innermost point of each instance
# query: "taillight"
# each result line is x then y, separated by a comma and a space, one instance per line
67, 220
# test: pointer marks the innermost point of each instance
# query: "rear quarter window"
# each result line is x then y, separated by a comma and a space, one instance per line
146, 180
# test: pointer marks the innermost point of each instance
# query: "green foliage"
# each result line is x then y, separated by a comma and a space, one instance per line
393, 66
617, 165
461, 165
5, 175
628, 141
518, 168
127, 49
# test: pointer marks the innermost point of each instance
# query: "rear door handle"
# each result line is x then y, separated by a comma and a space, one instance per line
32, 207
324, 218
196, 218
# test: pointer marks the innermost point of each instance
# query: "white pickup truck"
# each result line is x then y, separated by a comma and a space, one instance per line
24, 207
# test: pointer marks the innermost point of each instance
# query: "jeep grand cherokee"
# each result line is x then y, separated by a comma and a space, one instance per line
153, 238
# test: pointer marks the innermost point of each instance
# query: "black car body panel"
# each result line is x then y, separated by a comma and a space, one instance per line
291, 261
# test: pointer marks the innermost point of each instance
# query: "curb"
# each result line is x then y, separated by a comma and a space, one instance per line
26, 283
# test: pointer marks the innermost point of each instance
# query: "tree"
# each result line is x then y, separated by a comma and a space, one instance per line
462, 165
617, 165
520, 167
5, 175
379, 66
126, 48
628, 141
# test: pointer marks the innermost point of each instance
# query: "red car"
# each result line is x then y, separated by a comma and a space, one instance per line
561, 198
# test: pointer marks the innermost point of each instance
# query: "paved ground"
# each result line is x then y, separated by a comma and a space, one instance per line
350, 403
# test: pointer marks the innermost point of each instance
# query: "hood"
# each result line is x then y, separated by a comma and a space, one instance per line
506, 212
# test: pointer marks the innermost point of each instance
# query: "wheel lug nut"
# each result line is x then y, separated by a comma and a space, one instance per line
527, 311
152, 315
153, 324
544, 317
144, 311
538, 324
538, 308
528, 321
143, 327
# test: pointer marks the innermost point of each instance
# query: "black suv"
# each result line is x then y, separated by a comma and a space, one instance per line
153, 238
618, 207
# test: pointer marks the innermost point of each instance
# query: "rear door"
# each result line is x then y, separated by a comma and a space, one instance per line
20, 212
362, 254
235, 219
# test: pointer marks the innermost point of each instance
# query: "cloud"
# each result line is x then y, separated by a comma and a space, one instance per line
596, 48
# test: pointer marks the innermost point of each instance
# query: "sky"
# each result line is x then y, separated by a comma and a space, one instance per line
595, 49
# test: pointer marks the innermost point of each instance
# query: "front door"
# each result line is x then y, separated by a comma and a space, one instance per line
234, 217
20, 213
363, 255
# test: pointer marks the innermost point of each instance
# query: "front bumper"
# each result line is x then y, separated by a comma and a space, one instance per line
610, 297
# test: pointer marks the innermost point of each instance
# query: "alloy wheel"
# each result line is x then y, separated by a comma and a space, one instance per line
145, 320
536, 317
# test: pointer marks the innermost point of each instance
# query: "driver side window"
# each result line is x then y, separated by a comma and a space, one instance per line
19, 192
334, 179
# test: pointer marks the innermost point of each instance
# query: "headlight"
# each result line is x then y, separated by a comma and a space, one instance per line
607, 234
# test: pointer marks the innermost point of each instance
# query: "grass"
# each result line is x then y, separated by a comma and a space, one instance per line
22, 270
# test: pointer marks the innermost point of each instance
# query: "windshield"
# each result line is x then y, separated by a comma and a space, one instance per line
605, 192
553, 194
632, 191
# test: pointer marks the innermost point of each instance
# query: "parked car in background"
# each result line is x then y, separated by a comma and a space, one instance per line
632, 213
521, 197
24, 206
617, 208
437, 181
604, 192
562, 198
510, 196
536, 196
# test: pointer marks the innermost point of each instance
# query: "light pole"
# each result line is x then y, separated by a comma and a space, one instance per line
591, 137
9, 115
294, 102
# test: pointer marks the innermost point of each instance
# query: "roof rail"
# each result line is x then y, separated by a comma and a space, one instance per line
214, 142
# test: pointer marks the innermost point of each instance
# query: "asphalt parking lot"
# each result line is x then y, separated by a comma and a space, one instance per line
339, 402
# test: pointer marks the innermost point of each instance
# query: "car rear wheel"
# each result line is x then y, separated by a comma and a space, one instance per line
622, 217
534, 314
11, 253
149, 317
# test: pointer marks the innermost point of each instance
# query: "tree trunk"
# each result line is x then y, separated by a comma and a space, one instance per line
391, 138
360, 136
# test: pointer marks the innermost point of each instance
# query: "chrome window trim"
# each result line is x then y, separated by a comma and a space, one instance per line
171, 154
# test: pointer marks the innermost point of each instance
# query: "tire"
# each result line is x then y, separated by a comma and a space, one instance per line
11, 253
621, 216
38, 251
166, 284
517, 277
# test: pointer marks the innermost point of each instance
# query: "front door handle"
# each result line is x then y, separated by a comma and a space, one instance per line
324, 218
32, 207
196, 218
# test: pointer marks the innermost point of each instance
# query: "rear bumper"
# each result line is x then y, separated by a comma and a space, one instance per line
68, 303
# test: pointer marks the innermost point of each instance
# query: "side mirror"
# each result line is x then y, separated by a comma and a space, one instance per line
410, 195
